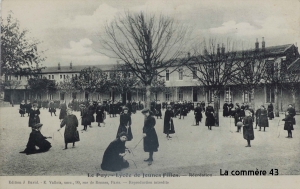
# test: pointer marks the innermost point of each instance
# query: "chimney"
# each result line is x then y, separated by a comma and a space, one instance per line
37, 66
71, 66
189, 55
256, 45
58, 67
218, 50
263, 44
223, 49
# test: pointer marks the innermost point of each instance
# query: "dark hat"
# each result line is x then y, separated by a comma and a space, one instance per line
169, 106
145, 110
38, 125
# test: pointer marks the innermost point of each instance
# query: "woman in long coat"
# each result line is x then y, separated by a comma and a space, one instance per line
125, 124
225, 110
63, 110
270, 111
100, 114
34, 117
210, 119
248, 132
91, 111
71, 134
150, 137
288, 125
198, 113
168, 122
263, 118
113, 156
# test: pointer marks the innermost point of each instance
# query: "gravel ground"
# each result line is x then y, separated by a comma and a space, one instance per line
193, 149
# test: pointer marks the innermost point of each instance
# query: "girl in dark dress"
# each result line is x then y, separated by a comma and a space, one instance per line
63, 110
34, 117
270, 111
85, 120
113, 156
150, 137
125, 124
248, 132
210, 119
71, 134
198, 113
100, 114
238, 117
52, 108
168, 122
288, 125
22, 109
263, 118
37, 139
28, 107
225, 110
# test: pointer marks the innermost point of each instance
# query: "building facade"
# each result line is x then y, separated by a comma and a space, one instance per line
182, 84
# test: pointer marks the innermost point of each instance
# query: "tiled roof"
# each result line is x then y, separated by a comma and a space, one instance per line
278, 48
76, 68
106, 67
295, 65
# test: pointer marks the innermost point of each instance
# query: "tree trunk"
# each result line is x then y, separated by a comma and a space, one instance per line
276, 101
148, 97
12, 98
216, 108
252, 99
294, 98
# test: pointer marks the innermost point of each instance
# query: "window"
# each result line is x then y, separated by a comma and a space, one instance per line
246, 97
210, 96
228, 95
180, 95
62, 96
270, 94
74, 95
195, 95
180, 72
64, 76
60, 76
194, 72
49, 76
50, 96
270, 68
167, 75
20, 77
52, 76
16, 77
167, 95
76, 76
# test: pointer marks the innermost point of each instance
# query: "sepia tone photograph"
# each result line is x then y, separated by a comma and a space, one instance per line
149, 93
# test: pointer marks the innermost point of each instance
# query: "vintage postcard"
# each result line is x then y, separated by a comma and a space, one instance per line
150, 94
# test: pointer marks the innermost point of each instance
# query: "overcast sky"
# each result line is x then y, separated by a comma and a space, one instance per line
69, 29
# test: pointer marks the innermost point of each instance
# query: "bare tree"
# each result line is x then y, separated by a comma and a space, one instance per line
147, 44
213, 68
252, 72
